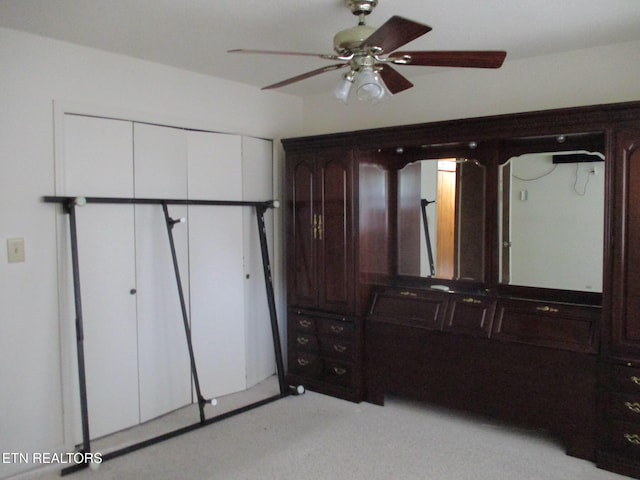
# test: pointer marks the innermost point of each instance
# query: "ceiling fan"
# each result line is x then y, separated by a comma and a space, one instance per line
369, 53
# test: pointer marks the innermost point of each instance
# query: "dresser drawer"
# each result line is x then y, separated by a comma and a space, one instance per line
558, 325
306, 364
625, 406
625, 378
305, 341
337, 348
339, 373
625, 437
337, 328
303, 323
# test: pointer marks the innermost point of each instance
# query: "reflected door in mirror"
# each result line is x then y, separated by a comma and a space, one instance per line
441, 219
552, 221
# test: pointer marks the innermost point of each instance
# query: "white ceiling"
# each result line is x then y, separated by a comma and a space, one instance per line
196, 34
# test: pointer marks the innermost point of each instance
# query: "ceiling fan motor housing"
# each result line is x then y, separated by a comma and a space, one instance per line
351, 38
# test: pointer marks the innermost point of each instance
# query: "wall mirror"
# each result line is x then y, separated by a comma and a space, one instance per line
551, 220
441, 217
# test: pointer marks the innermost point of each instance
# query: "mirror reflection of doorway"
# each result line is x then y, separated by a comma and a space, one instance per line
449, 193
446, 217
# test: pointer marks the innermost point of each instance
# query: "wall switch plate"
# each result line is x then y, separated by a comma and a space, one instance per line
15, 250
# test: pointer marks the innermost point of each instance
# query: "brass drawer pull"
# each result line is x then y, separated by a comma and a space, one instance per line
471, 300
342, 371
635, 379
304, 323
337, 328
339, 348
632, 438
408, 294
547, 308
633, 406
302, 340
303, 362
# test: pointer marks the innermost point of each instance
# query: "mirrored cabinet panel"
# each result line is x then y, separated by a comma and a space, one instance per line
441, 218
551, 220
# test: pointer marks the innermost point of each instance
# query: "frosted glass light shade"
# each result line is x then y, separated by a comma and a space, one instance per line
369, 87
342, 90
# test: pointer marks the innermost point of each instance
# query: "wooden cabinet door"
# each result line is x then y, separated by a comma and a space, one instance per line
302, 231
625, 327
320, 231
335, 231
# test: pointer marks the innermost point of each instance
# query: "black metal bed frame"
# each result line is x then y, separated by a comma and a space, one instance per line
69, 205
424, 203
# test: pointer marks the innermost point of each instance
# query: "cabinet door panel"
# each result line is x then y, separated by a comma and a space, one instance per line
336, 239
303, 233
160, 157
626, 271
470, 315
564, 326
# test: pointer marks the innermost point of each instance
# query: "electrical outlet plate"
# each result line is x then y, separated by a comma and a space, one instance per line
15, 250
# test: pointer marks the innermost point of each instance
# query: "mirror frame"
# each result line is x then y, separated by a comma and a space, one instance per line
399, 157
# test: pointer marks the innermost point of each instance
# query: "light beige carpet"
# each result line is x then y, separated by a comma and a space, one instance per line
316, 437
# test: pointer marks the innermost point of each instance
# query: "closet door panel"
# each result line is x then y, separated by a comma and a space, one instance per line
257, 185
160, 157
97, 158
215, 263
107, 274
98, 161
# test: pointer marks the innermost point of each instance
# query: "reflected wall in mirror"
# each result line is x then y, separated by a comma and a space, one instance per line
552, 220
449, 193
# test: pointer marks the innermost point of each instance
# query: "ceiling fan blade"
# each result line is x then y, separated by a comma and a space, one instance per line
471, 59
394, 81
394, 33
304, 76
275, 52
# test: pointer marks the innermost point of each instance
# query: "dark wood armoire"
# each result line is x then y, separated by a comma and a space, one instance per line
369, 315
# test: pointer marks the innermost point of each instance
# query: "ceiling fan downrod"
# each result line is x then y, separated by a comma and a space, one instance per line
361, 7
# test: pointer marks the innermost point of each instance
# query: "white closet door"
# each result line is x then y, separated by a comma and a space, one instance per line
215, 259
98, 162
257, 185
97, 159
160, 158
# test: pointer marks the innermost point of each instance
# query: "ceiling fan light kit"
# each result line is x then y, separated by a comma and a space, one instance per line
343, 88
369, 53
369, 86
